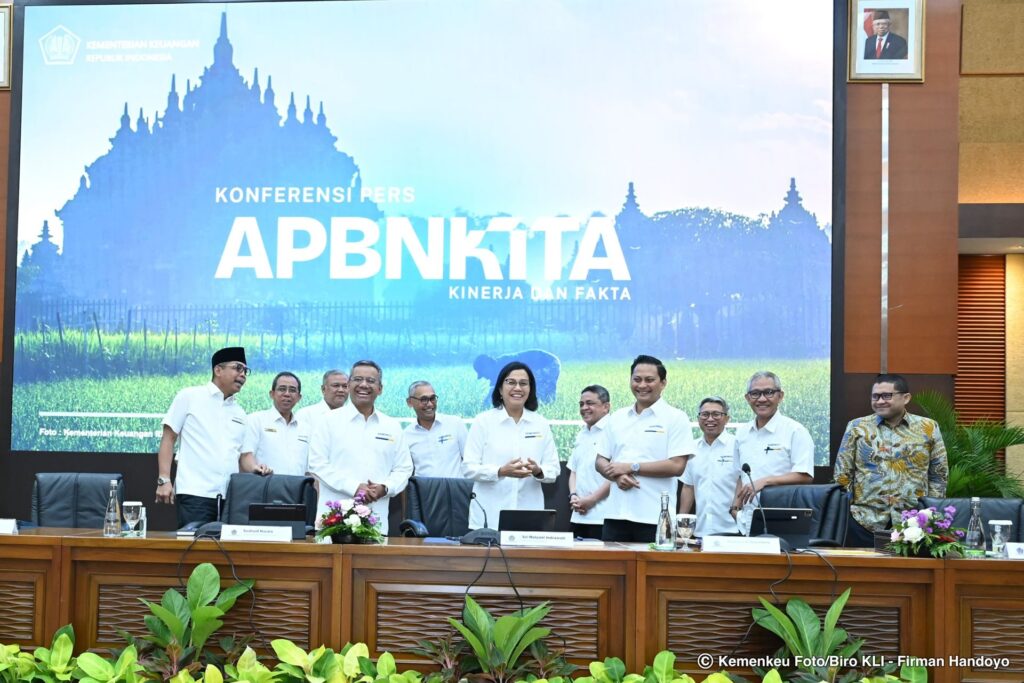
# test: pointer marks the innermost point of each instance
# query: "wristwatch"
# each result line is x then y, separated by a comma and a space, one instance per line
635, 468
160, 481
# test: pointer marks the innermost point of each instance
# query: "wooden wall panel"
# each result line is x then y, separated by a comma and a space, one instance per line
983, 22
981, 333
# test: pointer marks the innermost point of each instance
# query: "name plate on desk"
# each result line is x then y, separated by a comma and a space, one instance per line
252, 532
8, 526
537, 539
1014, 551
762, 545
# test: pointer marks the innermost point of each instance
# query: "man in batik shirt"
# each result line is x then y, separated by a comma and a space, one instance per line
888, 460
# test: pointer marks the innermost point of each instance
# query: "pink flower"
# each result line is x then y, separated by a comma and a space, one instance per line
362, 510
895, 536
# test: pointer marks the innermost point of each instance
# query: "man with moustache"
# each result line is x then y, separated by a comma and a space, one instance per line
888, 460
277, 442
643, 451
355, 449
588, 490
209, 426
435, 441
778, 449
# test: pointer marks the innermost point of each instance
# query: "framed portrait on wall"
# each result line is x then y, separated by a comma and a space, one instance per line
886, 40
6, 23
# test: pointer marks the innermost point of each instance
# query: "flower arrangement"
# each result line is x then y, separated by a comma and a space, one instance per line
926, 531
350, 518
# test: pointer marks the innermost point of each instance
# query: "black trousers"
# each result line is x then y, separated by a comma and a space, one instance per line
587, 530
196, 509
624, 531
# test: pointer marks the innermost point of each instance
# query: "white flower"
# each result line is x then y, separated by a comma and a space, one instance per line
895, 536
912, 534
354, 522
345, 504
912, 522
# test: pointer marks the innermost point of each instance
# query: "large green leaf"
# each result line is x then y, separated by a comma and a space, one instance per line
664, 666
531, 636
386, 665
914, 674
203, 585
832, 618
779, 624
479, 650
807, 625
171, 620
289, 653
226, 600
60, 655
95, 666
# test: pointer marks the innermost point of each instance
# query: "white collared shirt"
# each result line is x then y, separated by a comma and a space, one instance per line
658, 433
346, 450
588, 479
436, 452
782, 446
210, 431
712, 472
310, 415
494, 439
281, 446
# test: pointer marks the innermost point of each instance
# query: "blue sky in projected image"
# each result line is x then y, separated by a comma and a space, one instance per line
416, 90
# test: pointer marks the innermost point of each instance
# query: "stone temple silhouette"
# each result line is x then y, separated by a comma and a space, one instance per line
119, 243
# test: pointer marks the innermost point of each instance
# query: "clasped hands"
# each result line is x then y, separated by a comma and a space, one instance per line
372, 492
619, 472
520, 469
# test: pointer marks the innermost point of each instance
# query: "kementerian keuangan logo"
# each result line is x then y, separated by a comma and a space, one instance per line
59, 46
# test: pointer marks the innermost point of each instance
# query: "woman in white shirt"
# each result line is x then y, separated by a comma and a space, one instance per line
510, 450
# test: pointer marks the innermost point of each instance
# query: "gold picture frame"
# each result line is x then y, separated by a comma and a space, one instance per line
886, 41
7, 20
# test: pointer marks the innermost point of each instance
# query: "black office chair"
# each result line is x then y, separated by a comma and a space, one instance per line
991, 508
440, 506
245, 489
72, 499
830, 503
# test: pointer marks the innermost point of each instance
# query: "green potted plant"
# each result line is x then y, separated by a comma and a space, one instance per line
971, 451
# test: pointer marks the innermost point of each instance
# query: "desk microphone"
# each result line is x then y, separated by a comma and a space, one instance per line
483, 535
764, 519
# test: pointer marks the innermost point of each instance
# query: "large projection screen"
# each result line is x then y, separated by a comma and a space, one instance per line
433, 184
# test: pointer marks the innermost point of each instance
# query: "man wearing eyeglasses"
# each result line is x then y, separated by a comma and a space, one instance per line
209, 426
888, 460
778, 449
711, 475
435, 441
355, 449
276, 440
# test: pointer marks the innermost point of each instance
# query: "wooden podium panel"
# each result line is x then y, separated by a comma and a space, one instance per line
696, 603
294, 585
30, 609
397, 594
985, 620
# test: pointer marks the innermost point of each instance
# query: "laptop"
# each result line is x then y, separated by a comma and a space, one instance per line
790, 524
526, 520
280, 514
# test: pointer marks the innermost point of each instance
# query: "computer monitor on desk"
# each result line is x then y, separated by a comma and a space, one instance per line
790, 524
280, 514
526, 520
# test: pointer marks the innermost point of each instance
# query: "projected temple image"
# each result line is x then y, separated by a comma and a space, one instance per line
440, 192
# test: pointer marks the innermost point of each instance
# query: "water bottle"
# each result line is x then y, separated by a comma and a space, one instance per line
142, 523
665, 539
974, 541
112, 517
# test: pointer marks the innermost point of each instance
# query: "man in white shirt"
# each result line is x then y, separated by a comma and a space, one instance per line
711, 475
778, 449
435, 441
588, 490
211, 427
335, 393
276, 441
643, 450
354, 449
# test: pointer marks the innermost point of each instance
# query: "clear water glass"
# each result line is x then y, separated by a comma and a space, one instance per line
685, 526
132, 510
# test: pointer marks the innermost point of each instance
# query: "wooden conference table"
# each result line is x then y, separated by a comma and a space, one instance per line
606, 600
